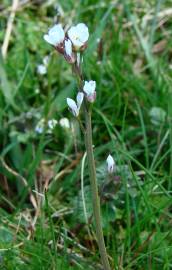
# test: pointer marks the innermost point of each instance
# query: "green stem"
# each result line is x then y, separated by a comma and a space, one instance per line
94, 189
51, 226
92, 174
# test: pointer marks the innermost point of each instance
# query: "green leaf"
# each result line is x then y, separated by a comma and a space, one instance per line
6, 87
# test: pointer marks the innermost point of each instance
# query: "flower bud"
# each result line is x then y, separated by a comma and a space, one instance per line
89, 90
73, 106
68, 54
79, 99
110, 164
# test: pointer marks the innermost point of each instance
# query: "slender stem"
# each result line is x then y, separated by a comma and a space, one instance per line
51, 226
94, 189
92, 173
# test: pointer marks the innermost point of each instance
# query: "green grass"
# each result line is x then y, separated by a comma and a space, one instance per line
131, 80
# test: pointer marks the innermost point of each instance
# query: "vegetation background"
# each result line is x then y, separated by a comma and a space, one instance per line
129, 55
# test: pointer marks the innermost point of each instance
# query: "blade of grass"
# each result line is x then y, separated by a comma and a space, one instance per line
144, 134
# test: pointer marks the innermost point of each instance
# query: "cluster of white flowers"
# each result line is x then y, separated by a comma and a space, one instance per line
51, 124
41, 125
90, 93
69, 43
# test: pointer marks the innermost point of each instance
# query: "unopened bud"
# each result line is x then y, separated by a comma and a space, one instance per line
110, 164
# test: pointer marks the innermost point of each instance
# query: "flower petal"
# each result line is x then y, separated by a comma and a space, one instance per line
89, 87
55, 35
82, 32
110, 164
72, 106
78, 35
68, 47
79, 99
48, 39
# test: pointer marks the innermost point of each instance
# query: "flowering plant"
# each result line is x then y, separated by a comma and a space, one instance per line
71, 44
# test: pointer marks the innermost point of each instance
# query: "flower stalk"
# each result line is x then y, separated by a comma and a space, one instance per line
92, 171
72, 45
94, 189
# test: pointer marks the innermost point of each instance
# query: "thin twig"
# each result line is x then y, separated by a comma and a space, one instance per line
13, 172
23, 180
22, 4
9, 28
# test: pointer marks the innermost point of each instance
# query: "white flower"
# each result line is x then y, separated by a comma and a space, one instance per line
55, 35
79, 99
52, 123
46, 60
78, 35
89, 90
40, 126
89, 87
41, 69
73, 106
64, 122
110, 164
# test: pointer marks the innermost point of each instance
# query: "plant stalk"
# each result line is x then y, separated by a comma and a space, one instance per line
94, 189
92, 174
